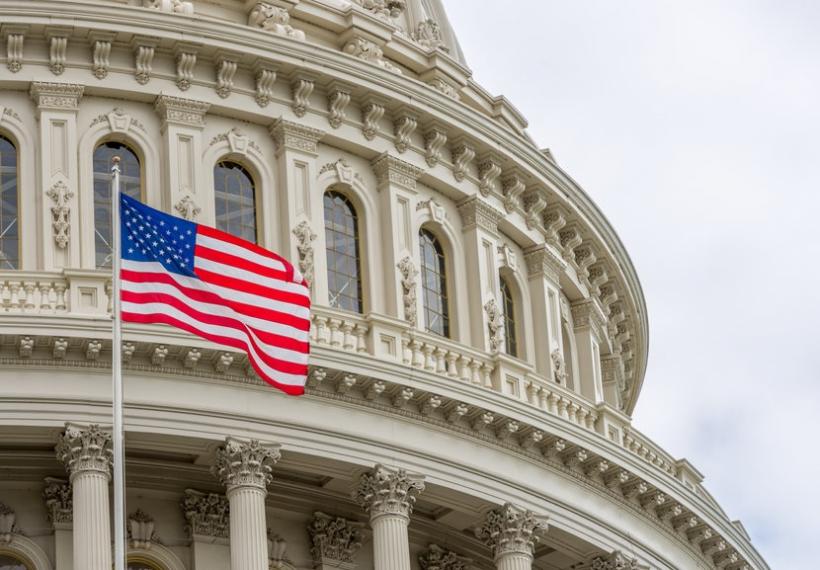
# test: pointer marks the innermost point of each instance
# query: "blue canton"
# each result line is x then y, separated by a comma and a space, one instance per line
151, 235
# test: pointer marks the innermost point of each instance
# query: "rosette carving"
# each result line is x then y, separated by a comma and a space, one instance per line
385, 491
509, 529
85, 449
245, 464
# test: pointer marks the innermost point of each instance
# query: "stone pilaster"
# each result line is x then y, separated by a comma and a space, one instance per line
511, 534
57, 495
86, 454
335, 541
245, 468
589, 322
388, 496
544, 268
207, 522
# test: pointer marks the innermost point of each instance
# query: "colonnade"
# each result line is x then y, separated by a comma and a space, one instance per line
245, 467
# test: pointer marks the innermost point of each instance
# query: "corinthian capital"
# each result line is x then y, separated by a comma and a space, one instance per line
245, 463
387, 491
335, 539
509, 530
83, 449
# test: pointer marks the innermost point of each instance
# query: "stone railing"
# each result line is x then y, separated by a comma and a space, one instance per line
339, 329
33, 293
647, 450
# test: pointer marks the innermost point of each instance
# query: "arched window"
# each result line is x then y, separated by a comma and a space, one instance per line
235, 196
510, 337
140, 564
344, 281
434, 284
130, 184
9, 228
9, 562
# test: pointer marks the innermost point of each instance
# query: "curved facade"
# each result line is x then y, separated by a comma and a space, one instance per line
479, 334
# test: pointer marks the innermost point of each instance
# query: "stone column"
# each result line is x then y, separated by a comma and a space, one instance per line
511, 534
86, 454
244, 467
388, 496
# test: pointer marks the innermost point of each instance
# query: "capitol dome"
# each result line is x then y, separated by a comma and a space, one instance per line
479, 335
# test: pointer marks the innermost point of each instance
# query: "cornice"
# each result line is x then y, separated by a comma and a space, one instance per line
52, 96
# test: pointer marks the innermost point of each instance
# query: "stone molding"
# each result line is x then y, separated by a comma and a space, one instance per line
476, 212
385, 491
543, 262
176, 110
207, 514
56, 96
391, 170
288, 135
509, 530
245, 463
85, 449
334, 539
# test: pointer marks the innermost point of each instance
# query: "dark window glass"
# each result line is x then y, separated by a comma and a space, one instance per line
139, 565
510, 340
344, 282
434, 284
130, 184
9, 227
235, 200
9, 562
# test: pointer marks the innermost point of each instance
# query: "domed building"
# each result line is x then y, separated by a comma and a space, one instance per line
479, 335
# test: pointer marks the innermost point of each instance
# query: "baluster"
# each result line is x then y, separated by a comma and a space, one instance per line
464, 362
475, 377
418, 356
312, 331
334, 325
552, 402
406, 352
542, 399
441, 364
452, 369
45, 296
582, 417
562, 408
29, 287
60, 293
321, 330
347, 336
592, 420
486, 375
429, 361
14, 301
361, 340
4, 295
109, 295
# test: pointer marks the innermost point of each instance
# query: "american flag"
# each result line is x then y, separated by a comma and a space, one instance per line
217, 286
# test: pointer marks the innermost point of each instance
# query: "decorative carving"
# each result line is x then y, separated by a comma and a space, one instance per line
615, 561
534, 204
476, 212
159, 355
277, 547
141, 530
301, 88
385, 491
290, 135
187, 208
185, 7
304, 245
508, 257
405, 125
559, 369
225, 71
495, 322
245, 463
61, 196
372, 113
338, 99
438, 558
101, 54
385, 10
15, 38
434, 140
181, 111
60, 348
186, 63
93, 349
56, 96
428, 35
273, 19
368, 51
206, 514
265, 78
143, 62
437, 212
334, 539
392, 170
408, 272
57, 47
488, 172
343, 170
554, 222
508, 529
7, 523
237, 140
223, 362
513, 188
58, 497
85, 449
26, 347
463, 154
445, 88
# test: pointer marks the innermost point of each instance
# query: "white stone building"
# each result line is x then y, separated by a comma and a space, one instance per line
479, 333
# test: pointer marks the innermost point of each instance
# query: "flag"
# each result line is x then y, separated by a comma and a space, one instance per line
216, 286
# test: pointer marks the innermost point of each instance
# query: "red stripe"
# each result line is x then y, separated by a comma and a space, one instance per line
162, 318
232, 239
241, 263
209, 297
212, 319
249, 287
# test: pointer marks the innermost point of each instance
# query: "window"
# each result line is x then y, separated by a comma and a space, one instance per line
434, 284
235, 196
9, 229
134, 564
510, 339
9, 562
130, 184
344, 282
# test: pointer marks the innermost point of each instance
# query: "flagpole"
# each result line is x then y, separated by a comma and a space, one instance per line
116, 373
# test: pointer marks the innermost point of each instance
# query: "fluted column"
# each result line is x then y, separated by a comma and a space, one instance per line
245, 467
511, 534
388, 496
86, 454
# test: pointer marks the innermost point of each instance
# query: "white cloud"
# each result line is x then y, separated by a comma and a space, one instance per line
695, 128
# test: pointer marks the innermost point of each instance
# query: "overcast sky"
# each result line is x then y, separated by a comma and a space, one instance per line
695, 126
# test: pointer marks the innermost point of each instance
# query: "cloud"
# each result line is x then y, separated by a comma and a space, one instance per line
694, 127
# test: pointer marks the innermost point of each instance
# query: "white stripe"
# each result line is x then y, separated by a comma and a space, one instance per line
239, 251
223, 311
250, 276
225, 292
162, 308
